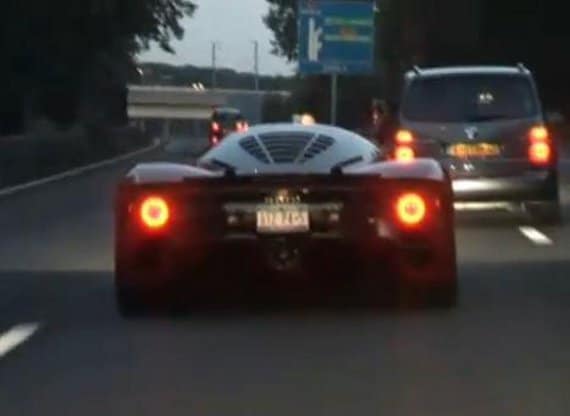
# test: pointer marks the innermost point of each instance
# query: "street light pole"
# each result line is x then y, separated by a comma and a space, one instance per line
334, 98
214, 65
256, 63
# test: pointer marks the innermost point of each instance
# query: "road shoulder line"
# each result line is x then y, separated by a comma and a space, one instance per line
16, 336
75, 171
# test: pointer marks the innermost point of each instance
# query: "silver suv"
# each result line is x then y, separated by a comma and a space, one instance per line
486, 126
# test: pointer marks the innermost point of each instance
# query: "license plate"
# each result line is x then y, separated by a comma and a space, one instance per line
467, 150
283, 219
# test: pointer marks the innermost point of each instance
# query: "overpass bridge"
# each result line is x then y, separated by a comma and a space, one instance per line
171, 112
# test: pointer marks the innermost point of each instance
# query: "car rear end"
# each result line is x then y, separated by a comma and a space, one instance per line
301, 235
224, 122
486, 128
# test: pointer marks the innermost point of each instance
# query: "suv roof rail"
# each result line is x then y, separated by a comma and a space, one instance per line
522, 67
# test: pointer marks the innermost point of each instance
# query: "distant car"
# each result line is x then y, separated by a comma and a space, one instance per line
286, 209
486, 126
225, 121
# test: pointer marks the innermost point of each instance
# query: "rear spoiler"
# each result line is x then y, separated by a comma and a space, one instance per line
172, 173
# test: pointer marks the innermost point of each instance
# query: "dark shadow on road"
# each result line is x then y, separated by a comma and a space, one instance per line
515, 284
87, 298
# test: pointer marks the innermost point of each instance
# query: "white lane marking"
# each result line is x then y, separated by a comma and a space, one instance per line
75, 172
481, 206
536, 236
16, 336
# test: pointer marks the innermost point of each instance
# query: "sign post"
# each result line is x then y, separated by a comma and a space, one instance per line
336, 38
334, 97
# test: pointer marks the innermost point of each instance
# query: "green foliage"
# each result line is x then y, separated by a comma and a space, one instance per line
61, 55
282, 21
451, 32
312, 94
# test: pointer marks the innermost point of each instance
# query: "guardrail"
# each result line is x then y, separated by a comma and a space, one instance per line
30, 157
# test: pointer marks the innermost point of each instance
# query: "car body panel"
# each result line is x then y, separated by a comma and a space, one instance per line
161, 172
253, 151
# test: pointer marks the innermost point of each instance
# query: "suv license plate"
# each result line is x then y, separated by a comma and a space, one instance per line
467, 150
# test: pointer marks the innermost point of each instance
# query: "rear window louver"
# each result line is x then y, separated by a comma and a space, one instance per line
319, 145
285, 148
252, 146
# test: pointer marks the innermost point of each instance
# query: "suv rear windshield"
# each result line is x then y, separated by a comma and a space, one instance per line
469, 98
227, 118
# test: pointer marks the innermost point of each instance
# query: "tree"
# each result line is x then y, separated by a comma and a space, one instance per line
313, 92
282, 21
451, 32
65, 57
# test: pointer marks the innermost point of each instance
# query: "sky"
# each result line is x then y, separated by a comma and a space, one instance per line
232, 23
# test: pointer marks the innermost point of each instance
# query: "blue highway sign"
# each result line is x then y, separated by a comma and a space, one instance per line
336, 37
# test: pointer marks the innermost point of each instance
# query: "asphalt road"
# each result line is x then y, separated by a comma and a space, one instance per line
504, 351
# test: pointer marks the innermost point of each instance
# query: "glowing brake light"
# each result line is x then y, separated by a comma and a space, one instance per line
404, 151
154, 212
404, 154
540, 149
411, 209
215, 127
404, 137
539, 134
539, 153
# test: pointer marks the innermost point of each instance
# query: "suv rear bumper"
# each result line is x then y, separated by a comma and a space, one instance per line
531, 186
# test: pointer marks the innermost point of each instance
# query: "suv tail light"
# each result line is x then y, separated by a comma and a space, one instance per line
154, 212
404, 152
215, 127
539, 153
404, 137
539, 134
411, 209
540, 147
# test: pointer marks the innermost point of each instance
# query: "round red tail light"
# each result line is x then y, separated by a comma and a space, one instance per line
154, 212
411, 209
